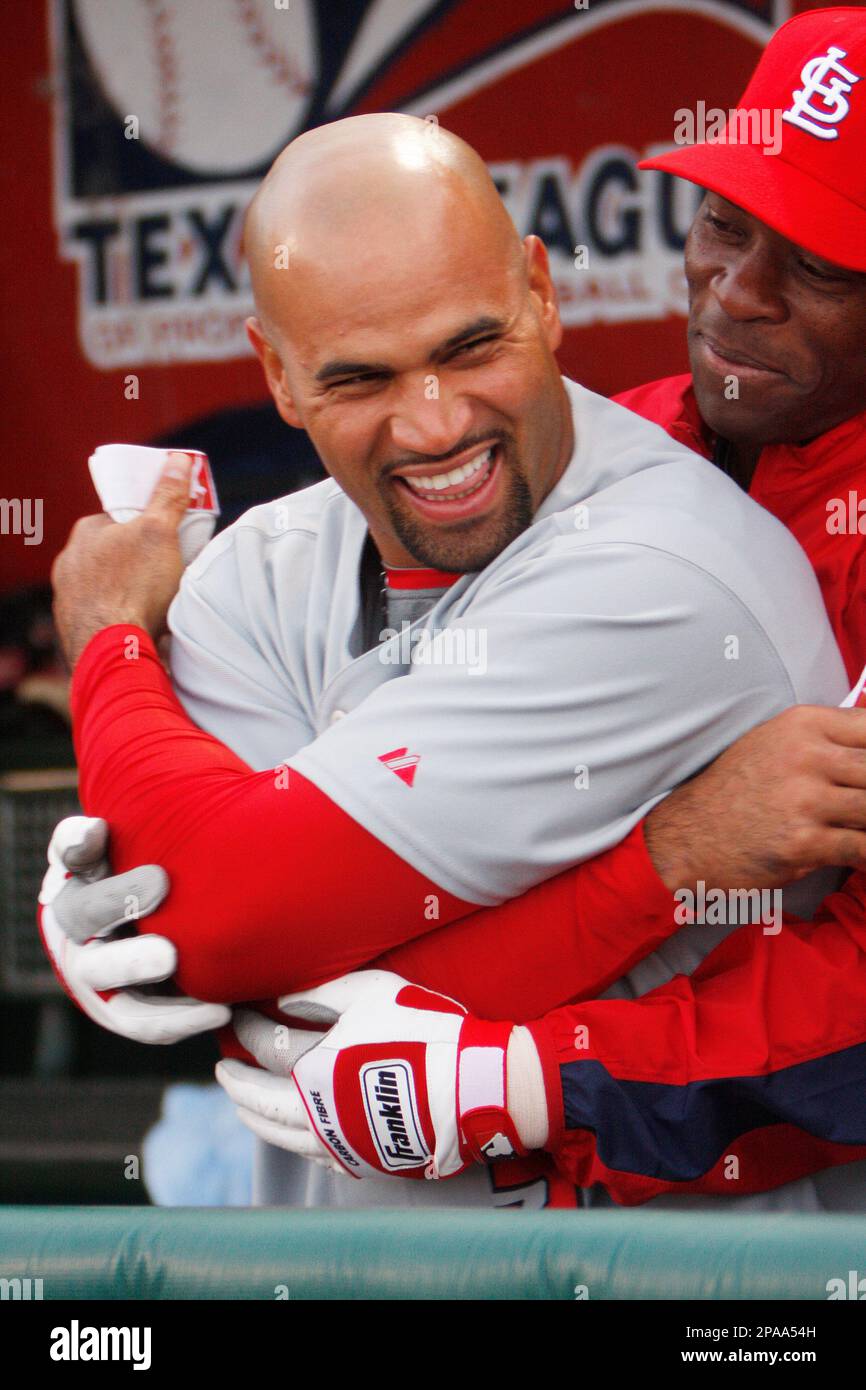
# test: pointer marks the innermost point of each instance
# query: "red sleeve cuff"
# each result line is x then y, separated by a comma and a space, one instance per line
644, 881
547, 1052
122, 642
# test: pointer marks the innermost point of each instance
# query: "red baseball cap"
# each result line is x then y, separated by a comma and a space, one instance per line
812, 75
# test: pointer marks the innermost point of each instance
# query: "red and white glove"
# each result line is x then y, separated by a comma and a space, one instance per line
80, 903
406, 1083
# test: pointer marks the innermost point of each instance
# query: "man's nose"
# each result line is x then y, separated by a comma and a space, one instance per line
749, 287
428, 418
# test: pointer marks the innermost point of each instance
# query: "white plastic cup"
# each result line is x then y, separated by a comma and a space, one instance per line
125, 476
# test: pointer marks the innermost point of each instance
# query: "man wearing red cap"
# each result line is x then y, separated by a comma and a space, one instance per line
768, 1032
777, 323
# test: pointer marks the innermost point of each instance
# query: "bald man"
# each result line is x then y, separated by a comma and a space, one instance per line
480, 652
353, 273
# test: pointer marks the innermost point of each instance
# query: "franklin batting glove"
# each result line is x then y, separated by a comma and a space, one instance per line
405, 1083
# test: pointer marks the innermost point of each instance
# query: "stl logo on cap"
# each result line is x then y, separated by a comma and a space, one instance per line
820, 120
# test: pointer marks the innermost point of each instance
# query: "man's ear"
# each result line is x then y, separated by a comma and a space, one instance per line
542, 287
274, 372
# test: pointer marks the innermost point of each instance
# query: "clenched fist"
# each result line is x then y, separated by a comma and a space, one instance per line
109, 573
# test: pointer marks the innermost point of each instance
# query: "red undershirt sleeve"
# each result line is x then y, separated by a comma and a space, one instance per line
274, 888
566, 939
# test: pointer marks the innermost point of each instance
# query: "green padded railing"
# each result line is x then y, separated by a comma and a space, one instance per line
131, 1253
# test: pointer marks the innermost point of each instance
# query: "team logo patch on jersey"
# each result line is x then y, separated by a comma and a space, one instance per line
392, 1113
402, 763
820, 104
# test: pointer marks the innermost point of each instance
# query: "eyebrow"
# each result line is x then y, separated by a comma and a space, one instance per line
840, 271
342, 367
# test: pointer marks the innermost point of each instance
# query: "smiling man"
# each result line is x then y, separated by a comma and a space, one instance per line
331, 363
405, 326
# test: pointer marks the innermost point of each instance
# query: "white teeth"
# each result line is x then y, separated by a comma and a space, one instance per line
438, 481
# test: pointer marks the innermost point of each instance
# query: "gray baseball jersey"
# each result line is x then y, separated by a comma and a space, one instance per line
650, 615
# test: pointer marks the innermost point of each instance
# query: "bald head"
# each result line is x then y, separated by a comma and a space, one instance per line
378, 186
403, 324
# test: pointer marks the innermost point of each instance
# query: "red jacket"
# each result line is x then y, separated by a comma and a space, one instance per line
808, 487
760, 1055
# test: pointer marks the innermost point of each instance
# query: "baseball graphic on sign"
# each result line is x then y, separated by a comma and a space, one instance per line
218, 86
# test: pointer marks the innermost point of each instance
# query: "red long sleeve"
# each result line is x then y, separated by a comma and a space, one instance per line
267, 878
566, 939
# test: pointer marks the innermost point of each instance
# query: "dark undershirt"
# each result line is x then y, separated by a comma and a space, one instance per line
734, 466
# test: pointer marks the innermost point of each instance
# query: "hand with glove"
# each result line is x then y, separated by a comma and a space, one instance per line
83, 909
400, 1081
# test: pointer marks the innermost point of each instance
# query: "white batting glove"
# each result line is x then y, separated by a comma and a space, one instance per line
406, 1083
268, 1101
77, 915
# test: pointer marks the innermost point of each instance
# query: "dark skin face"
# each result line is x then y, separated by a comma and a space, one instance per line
788, 325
